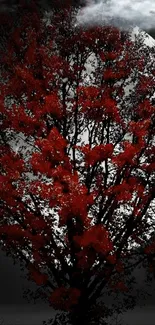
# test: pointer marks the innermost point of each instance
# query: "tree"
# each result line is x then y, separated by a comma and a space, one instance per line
73, 207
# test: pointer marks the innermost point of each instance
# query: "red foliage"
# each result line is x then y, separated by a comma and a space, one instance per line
64, 298
86, 257
97, 154
119, 286
127, 157
38, 277
98, 238
150, 248
52, 105
12, 165
13, 233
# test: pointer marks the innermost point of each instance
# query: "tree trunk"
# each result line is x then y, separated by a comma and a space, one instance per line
79, 316
85, 314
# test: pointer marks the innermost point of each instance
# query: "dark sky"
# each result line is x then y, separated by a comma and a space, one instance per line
12, 281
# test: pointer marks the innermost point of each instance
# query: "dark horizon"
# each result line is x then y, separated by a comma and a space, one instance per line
13, 281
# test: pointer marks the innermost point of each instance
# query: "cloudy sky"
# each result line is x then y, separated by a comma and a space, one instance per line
122, 13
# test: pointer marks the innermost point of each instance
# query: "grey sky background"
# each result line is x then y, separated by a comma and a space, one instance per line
122, 13
13, 281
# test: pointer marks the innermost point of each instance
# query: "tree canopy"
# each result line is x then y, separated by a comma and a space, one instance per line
77, 158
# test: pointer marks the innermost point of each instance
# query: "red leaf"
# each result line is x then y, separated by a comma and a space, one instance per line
97, 236
38, 277
64, 298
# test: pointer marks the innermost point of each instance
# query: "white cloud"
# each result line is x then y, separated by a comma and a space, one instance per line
121, 13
